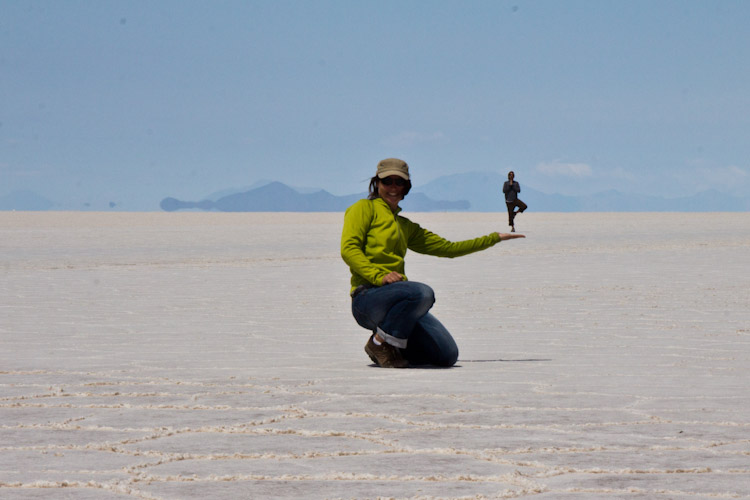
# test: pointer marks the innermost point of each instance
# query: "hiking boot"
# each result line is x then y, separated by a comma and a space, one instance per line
385, 355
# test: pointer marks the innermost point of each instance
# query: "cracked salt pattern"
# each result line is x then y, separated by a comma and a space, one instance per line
201, 355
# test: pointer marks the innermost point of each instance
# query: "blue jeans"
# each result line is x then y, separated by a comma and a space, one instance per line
399, 313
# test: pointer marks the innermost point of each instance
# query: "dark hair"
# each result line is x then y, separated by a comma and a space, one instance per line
373, 189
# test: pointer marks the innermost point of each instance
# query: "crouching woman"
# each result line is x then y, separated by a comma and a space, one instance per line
374, 242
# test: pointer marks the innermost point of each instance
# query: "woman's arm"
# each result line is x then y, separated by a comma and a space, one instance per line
423, 241
353, 238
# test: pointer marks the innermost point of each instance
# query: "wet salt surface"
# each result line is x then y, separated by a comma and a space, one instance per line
199, 355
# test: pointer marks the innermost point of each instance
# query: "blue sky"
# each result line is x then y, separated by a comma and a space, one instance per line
132, 101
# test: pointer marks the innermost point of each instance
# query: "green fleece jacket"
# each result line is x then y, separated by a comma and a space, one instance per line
375, 239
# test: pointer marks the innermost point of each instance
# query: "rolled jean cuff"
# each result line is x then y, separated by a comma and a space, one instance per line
394, 341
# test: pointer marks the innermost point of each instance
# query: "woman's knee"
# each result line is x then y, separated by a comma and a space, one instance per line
448, 356
423, 293
432, 344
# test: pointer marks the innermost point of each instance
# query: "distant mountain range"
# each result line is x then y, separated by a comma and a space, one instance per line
30, 201
25, 200
278, 197
484, 190
476, 191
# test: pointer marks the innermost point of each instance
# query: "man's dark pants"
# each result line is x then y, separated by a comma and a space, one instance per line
511, 210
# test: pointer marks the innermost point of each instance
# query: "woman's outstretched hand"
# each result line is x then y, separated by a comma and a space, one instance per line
510, 236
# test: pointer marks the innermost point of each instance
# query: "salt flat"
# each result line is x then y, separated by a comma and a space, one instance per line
205, 355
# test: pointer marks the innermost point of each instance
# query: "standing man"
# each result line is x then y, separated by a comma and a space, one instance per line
511, 189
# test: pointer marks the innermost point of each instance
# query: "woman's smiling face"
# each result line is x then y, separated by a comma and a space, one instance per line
391, 189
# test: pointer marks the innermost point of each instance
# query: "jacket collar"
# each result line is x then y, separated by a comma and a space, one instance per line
381, 200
